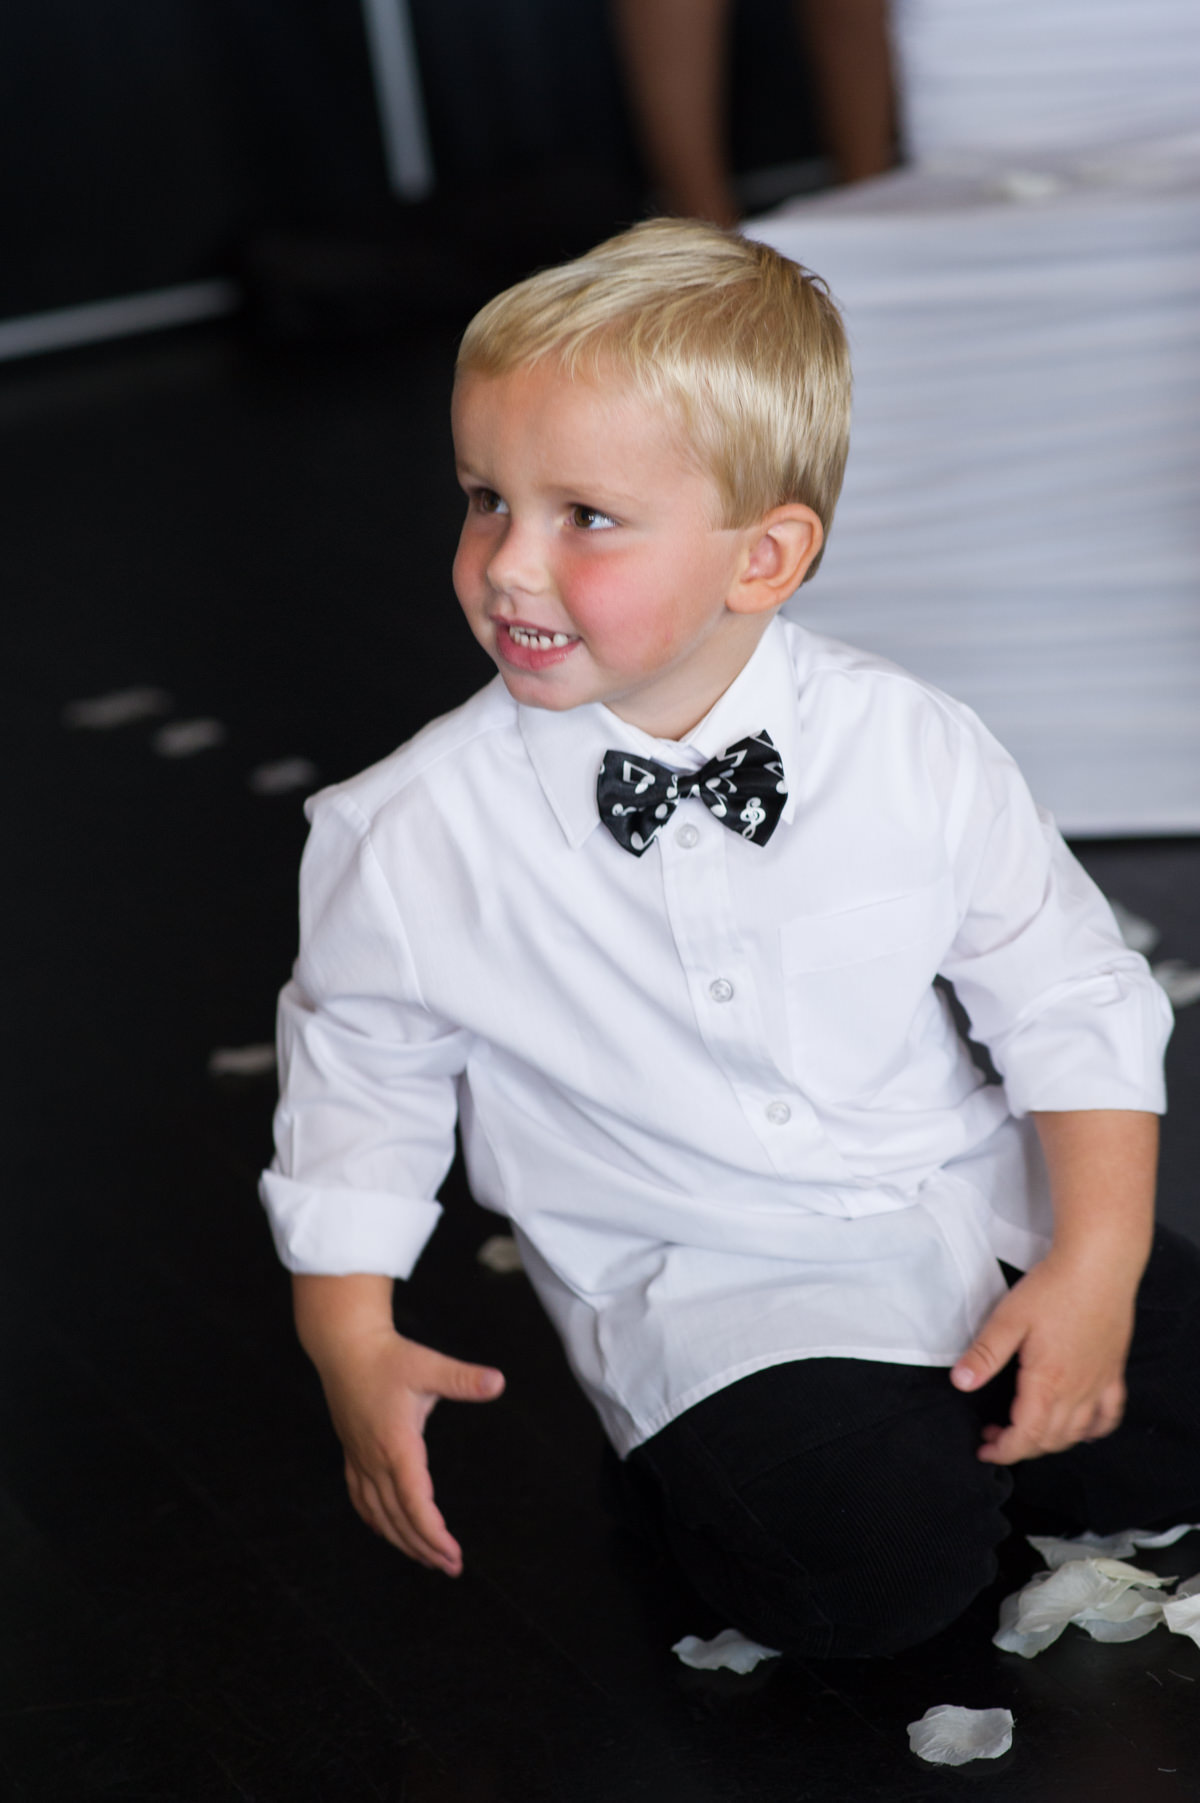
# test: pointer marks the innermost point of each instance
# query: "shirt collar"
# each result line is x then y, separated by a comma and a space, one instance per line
566, 749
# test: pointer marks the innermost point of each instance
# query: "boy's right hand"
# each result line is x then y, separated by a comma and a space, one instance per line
381, 1390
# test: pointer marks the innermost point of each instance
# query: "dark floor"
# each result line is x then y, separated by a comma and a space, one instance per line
188, 1607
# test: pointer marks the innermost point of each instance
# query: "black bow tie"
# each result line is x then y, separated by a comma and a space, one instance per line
744, 787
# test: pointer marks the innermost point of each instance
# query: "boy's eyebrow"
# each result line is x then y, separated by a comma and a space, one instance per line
596, 488
599, 490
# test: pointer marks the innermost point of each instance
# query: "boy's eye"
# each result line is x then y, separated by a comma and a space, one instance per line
590, 519
487, 500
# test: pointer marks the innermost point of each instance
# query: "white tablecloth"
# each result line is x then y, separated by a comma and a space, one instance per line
1022, 75
1021, 517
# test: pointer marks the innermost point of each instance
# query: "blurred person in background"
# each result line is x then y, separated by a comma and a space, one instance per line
674, 52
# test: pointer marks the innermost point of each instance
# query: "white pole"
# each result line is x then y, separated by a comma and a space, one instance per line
398, 96
96, 320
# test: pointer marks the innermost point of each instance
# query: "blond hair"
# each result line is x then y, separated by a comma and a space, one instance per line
745, 347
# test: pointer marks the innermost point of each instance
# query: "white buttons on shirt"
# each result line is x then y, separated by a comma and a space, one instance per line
721, 990
778, 1113
687, 836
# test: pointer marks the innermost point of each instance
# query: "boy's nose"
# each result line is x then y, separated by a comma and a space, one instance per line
517, 565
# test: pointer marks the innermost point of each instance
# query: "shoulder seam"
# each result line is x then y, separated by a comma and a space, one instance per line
881, 669
413, 763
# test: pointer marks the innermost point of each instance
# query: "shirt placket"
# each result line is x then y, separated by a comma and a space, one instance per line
695, 851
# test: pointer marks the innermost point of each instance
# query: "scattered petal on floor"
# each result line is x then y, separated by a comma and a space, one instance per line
729, 1651
1139, 935
1181, 981
1111, 1600
1182, 1613
1127, 1617
1010, 1638
99, 713
283, 775
500, 1253
183, 738
1167, 1537
949, 1735
1108, 1546
241, 1061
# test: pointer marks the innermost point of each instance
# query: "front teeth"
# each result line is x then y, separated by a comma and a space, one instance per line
540, 641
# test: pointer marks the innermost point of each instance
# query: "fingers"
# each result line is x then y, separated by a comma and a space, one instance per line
990, 1351
1009, 1447
1043, 1423
399, 1507
452, 1380
1072, 1347
387, 1468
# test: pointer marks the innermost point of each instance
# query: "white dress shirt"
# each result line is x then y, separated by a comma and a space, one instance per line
713, 1088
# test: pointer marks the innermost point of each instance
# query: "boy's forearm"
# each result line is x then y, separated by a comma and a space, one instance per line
332, 1313
1102, 1165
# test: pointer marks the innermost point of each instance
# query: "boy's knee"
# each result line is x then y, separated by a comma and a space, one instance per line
847, 1592
912, 1607
889, 1602
855, 1543
923, 1562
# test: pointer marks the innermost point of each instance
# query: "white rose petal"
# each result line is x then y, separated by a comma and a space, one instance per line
1110, 1546
1063, 1552
500, 1253
1182, 1615
100, 713
1139, 935
1008, 1636
949, 1735
184, 738
1168, 1537
1180, 981
284, 774
1126, 1617
1091, 1585
1087, 1591
729, 1651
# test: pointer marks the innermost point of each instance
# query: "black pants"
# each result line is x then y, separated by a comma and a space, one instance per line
835, 1507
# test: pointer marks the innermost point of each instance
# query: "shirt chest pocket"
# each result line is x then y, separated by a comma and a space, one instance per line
858, 988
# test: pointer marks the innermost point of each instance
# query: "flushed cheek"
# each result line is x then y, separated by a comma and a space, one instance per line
619, 614
469, 574
647, 633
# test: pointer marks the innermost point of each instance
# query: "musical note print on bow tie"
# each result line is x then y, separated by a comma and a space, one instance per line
637, 799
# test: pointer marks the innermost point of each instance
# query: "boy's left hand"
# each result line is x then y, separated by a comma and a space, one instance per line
1070, 1325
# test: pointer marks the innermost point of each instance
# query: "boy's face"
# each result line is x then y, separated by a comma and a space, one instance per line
591, 566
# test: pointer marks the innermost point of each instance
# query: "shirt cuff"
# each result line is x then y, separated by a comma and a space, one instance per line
1107, 1057
333, 1232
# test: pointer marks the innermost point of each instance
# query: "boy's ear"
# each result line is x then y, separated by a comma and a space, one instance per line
780, 549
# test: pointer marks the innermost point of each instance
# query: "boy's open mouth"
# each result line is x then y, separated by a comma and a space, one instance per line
529, 648
541, 641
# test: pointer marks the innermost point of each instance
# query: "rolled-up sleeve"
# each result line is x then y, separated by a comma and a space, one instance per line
364, 1130
1072, 1017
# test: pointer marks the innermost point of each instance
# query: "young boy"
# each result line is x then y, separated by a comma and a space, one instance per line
658, 915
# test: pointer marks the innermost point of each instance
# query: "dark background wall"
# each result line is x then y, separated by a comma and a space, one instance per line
143, 143
140, 139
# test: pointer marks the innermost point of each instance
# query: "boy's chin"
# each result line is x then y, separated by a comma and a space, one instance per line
531, 693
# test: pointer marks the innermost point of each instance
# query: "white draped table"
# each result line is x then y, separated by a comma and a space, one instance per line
1021, 517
